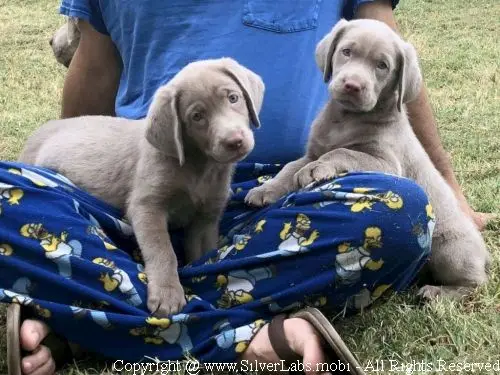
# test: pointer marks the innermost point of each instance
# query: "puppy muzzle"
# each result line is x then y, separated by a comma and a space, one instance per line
233, 145
353, 93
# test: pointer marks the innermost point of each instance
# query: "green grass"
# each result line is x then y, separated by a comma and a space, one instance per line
458, 45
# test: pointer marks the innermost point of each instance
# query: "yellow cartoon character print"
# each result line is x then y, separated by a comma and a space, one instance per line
239, 337
97, 231
237, 286
34, 177
327, 190
94, 310
57, 248
351, 260
259, 227
99, 317
191, 296
424, 237
118, 279
263, 179
297, 238
6, 250
27, 301
19, 293
228, 238
122, 225
361, 202
294, 238
359, 199
240, 241
366, 297
141, 275
166, 330
332, 185
391, 200
9, 194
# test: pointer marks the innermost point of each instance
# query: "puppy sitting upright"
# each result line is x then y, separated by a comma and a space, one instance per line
173, 167
364, 127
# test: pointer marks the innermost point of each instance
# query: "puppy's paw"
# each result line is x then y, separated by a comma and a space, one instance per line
262, 196
315, 171
429, 292
164, 300
456, 293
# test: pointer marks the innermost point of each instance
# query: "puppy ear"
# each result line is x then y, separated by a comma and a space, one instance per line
163, 124
251, 85
326, 48
409, 76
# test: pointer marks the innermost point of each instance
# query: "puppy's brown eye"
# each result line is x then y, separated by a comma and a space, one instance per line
346, 52
382, 65
197, 116
233, 98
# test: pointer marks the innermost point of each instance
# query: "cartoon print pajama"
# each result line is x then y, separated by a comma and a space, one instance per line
337, 245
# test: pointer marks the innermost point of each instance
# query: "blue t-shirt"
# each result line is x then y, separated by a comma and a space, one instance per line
274, 38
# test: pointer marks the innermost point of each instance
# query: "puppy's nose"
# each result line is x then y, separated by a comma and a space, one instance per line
352, 87
234, 142
51, 41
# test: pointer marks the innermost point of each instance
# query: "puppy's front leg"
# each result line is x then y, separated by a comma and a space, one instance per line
165, 293
281, 184
342, 160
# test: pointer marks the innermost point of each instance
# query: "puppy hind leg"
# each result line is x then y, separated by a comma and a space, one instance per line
433, 292
458, 266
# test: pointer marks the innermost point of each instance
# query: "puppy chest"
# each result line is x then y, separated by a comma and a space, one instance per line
197, 194
184, 206
181, 209
346, 135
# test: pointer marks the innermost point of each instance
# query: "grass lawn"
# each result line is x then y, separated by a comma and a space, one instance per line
459, 51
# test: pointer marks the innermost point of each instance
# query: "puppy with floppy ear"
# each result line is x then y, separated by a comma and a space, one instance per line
164, 129
372, 72
326, 48
410, 75
250, 83
172, 169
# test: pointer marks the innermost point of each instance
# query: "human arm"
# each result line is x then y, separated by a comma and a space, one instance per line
93, 76
421, 116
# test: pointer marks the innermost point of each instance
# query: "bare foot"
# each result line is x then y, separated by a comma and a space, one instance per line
481, 219
40, 361
300, 335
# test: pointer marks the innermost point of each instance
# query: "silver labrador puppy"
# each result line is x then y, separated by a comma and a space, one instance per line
364, 126
174, 167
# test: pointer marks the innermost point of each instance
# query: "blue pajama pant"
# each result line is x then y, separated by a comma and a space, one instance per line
337, 245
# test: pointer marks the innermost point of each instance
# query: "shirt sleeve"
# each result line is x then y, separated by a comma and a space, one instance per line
351, 6
88, 10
